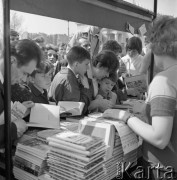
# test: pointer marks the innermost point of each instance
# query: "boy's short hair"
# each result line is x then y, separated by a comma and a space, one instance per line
77, 54
106, 59
112, 45
44, 67
134, 43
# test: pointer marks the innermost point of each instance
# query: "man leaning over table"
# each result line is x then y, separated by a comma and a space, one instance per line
25, 56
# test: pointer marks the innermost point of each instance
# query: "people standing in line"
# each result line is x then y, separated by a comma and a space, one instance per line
25, 56
159, 133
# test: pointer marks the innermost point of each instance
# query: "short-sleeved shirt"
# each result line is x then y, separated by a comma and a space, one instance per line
162, 101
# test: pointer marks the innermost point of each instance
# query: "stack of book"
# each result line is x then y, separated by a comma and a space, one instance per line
129, 142
76, 156
111, 165
122, 142
30, 159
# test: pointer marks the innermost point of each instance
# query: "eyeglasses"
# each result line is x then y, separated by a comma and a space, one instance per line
50, 55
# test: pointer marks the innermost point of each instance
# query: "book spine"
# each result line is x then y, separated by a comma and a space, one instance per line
28, 169
26, 163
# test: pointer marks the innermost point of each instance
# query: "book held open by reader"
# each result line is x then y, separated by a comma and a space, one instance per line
45, 115
70, 108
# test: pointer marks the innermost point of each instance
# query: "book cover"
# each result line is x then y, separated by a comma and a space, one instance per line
76, 140
100, 129
34, 145
70, 108
137, 82
45, 115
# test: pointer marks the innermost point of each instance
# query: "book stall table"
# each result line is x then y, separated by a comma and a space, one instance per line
122, 146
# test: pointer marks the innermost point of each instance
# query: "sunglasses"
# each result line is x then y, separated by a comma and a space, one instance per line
50, 55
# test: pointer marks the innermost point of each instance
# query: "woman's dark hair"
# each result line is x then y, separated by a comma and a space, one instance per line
134, 43
77, 54
25, 51
44, 67
106, 59
112, 45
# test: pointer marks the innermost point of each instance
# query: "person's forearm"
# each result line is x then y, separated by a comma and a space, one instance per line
144, 130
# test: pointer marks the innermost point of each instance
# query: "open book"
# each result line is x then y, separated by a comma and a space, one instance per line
45, 115
70, 108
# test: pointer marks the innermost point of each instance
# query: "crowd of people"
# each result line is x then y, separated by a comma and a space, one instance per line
42, 73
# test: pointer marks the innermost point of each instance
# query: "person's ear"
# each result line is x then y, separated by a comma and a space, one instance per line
13, 60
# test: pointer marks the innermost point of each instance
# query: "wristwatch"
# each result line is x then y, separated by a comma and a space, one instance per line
131, 115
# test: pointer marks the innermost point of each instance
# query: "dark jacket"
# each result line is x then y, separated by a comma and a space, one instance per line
66, 87
13, 126
20, 93
37, 96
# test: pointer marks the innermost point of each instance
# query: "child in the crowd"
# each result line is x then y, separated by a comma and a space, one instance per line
105, 88
70, 84
40, 81
120, 87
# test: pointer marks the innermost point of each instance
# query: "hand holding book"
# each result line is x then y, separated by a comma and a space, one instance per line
21, 127
116, 114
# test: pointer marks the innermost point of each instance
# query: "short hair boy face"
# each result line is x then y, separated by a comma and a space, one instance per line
106, 84
82, 67
41, 78
78, 59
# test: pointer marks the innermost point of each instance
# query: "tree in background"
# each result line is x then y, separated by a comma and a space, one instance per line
16, 21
